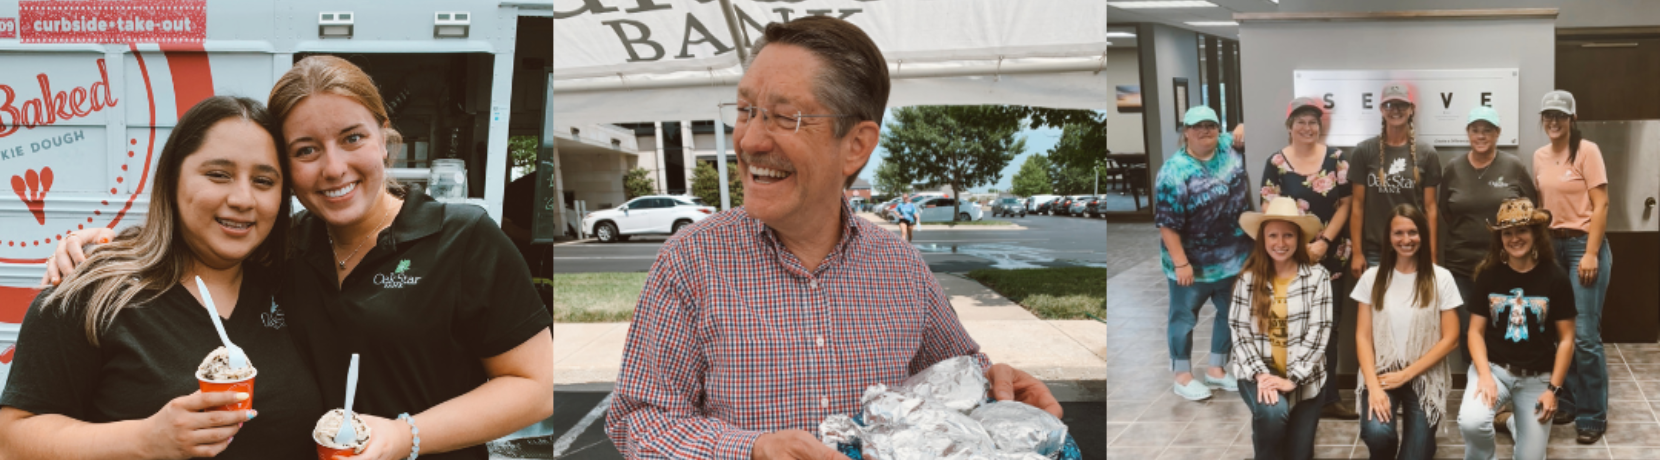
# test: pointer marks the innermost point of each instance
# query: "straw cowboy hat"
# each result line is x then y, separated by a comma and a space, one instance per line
1281, 208
1517, 212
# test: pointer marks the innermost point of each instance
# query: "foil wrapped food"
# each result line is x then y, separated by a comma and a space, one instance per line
927, 417
1019, 427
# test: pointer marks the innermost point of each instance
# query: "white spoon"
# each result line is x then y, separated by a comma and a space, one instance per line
348, 434
238, 358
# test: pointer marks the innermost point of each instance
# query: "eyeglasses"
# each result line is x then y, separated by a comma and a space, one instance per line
1301, 123
1396, 105
1205, 126
740, 116
1555, 116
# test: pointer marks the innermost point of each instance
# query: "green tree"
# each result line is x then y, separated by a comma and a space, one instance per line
1077, 175
637, 183
522, 151
1033, 177
891, 180
960, 146
706, 184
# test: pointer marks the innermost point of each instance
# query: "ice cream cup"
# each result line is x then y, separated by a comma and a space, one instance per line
327, 453
241, 386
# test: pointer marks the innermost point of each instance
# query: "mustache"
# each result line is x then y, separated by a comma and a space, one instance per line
765, 161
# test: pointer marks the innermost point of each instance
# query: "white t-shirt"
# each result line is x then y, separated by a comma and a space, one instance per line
1398, 301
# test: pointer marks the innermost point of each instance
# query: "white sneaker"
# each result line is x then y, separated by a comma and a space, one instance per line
1226, 383
1193, 391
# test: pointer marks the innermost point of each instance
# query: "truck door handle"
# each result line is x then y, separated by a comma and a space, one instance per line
1649, 203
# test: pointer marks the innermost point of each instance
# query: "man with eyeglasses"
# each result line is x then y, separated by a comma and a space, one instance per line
757, 323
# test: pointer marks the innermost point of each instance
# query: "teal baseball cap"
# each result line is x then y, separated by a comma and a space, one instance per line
1483, 113
1200, 114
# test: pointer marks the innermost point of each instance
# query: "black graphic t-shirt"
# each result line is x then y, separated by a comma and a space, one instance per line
1399, 184
1521, 314
148, 356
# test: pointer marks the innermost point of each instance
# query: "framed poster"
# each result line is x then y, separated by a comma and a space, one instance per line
1129, 98
1180, 85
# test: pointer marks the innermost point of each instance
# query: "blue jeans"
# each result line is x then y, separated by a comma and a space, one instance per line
1475, 418
1280, 430
1587, 382
1185, 302
1415, 440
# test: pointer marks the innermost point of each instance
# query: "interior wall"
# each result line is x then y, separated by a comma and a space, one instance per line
1124, 130
1528, 45
1572, 13
1171, 53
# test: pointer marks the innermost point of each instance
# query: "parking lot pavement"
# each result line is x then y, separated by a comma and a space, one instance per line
1045, 241
579, 423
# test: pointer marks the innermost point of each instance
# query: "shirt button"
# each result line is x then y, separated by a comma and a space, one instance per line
824, 402
813, 283
821, 340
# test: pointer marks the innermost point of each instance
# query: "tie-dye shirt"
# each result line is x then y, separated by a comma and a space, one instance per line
1202, 202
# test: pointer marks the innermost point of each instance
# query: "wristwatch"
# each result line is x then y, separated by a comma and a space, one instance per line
1323, 238
1553, 389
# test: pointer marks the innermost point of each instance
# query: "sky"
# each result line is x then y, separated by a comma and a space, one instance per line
1038, 141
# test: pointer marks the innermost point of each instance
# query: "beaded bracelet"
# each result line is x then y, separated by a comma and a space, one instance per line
415, 448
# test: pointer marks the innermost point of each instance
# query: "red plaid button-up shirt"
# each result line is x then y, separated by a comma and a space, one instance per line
733, 337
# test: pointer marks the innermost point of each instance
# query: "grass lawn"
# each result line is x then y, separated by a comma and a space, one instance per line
1051, 293
596, 297
971, 222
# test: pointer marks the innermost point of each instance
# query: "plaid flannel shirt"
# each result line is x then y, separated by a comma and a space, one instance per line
733, 337
1308, 324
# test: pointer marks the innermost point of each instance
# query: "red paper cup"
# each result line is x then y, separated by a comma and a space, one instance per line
326, 453
242, 386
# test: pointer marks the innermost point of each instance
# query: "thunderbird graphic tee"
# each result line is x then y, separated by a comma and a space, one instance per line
1521, 314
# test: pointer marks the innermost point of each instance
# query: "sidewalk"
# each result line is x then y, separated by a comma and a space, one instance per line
890, 226
587, 353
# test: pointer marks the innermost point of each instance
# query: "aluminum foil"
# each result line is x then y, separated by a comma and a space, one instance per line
1019, 427
838, 429
957, 383
885, 407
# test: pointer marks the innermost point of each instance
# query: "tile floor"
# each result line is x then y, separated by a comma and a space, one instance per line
1145, 420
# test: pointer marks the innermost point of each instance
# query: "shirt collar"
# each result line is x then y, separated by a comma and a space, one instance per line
849, 233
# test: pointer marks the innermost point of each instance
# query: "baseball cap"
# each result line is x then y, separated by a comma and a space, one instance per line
1199, 114
1559, 100
1483, 113
1398, 91
1305, 101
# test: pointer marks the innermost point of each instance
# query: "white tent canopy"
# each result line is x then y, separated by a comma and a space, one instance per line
644, 60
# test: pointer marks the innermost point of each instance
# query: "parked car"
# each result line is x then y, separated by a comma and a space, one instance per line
646, 215
1061, 206
1033, 203
1009, 207
1093, 207
1082, 206
941, 209
1101, 207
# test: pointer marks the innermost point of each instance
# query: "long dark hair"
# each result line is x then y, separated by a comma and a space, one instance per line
1261, 267
146, 260
1423, 293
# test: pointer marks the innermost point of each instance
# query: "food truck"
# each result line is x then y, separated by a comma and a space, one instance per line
89, 91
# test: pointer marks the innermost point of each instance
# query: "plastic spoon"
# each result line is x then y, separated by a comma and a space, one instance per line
348, 434
238, 358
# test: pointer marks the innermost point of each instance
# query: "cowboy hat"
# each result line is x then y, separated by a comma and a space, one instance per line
1281, 208
1517, 212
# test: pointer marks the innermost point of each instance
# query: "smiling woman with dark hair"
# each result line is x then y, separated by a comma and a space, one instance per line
106, 361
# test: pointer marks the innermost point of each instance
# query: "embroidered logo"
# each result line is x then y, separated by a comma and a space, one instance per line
1499, 183
273, 319
398, 278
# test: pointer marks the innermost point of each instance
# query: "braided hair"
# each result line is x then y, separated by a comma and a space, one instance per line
1412, 148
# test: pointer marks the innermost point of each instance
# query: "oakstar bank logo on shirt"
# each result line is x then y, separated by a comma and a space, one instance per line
1499, 183
398, 278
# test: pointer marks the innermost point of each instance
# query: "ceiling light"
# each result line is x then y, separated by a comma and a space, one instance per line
335, 24
452, 24
1120, 34
1212, 23
1152, 4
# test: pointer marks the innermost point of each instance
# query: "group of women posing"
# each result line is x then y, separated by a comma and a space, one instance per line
454, 342
1524, 253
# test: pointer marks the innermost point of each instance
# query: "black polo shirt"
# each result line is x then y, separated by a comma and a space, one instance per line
441, 289
149, 355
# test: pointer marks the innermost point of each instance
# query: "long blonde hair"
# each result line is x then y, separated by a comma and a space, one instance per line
1261, 267
146, 260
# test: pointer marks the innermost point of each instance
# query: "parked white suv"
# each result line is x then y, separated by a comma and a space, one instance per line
646, 215
940, 209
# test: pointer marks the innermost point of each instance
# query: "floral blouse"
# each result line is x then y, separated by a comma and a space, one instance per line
1316, 194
